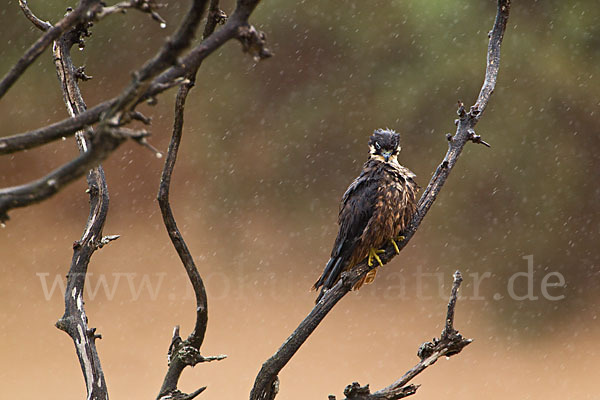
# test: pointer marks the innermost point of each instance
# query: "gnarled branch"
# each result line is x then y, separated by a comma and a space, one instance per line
183, 353
450, 343
74, 320
266, 381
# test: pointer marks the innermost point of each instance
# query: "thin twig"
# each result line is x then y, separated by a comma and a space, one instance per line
37, 22
452, 304
267, 377
147, 6
215, 17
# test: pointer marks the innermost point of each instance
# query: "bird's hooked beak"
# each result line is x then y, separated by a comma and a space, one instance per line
386, 155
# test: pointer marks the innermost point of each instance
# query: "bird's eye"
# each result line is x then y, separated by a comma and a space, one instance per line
377, 146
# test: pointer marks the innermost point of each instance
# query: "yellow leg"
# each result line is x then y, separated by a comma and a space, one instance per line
373, 255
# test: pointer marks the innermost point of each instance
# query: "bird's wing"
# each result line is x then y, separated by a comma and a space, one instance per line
355, 211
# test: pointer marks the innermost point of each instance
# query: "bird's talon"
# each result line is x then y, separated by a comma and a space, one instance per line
395, 246
373, 255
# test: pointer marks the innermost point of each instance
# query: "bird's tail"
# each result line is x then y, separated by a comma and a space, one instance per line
330, 275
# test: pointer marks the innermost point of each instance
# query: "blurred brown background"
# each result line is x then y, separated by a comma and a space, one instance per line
268, 150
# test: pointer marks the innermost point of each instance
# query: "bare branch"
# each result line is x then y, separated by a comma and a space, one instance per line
215, 17
101, 145
449, 327
41, 25
449, 344
357, 392
74, 320
183, 353
493, 60
267, 377
165, 57
147, 6
84, 11
56, 131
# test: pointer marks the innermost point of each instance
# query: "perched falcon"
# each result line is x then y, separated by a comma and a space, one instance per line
376, 209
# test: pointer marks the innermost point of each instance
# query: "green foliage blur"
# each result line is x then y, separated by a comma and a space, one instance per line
279, 141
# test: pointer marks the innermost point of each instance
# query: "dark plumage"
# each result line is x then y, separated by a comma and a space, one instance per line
376, 208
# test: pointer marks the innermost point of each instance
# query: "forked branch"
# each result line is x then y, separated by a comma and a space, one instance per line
266, 383
449, 343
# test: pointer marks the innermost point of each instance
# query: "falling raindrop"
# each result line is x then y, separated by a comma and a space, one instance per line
163, 25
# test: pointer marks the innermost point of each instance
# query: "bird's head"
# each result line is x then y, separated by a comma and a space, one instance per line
384, 145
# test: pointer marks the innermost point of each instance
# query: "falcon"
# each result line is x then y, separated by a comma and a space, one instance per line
376, 208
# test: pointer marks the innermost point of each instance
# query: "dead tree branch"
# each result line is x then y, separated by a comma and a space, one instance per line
266, 384
96, 143
74, 320
101, 145
147, 6
183, 353
450, 343
37, 22
146, 83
